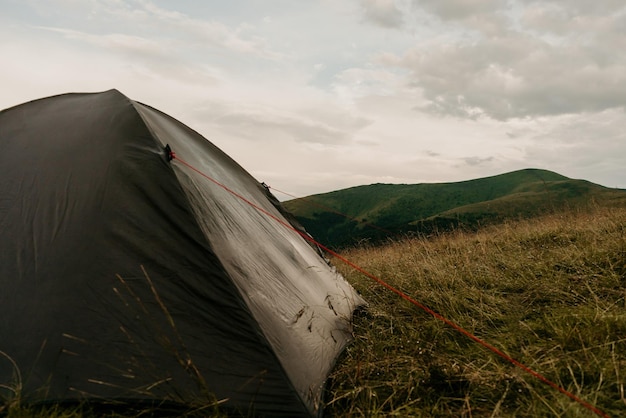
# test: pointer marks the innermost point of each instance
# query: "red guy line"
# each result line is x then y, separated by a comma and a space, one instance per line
403, 295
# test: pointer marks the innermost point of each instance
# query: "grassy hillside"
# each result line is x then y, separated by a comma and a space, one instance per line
374, 212
548, 291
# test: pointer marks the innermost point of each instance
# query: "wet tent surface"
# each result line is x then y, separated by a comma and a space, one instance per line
229, 302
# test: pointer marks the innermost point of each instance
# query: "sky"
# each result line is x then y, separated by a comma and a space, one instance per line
311, 96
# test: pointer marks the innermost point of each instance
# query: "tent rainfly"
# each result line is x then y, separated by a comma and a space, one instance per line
127, 278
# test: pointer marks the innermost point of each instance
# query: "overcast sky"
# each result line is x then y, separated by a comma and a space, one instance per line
317, 95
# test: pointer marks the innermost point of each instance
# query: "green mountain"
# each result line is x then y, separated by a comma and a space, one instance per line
377, 211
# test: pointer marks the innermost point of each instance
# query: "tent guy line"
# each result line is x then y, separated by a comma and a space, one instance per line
171, 156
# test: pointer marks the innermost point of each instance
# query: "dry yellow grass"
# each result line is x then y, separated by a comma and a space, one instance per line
550, 292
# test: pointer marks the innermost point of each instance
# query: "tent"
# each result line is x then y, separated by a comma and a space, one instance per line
127, 278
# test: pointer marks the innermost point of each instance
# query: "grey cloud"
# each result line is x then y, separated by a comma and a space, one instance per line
512, 134
586, 21
271, 126
477, 161
580, 7
520, 73
590, 146
459, 9
383, 13
130, 44
470, 9
143, 54
144, 18
487, 17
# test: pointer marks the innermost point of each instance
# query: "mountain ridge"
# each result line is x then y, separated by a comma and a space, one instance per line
376, 211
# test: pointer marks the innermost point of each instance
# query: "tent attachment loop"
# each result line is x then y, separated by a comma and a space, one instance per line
169, 154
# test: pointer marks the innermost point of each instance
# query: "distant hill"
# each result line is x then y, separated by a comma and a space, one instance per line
374, 212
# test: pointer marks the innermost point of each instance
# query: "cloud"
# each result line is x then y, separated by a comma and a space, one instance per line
580, 7
143, 18
459, 9
476, 161
255, 125
589, 22
353, 84
127, 44
522, 69
145, 41
277, 125
313, 96
384, 13
146, 56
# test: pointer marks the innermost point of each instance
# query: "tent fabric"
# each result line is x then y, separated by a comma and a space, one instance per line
127, 277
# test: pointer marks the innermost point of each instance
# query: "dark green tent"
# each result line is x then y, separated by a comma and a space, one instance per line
127, 278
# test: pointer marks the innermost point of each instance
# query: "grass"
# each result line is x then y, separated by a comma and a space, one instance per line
550, 292
198, 404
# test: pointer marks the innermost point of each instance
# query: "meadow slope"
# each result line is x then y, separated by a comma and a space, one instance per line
549, 291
